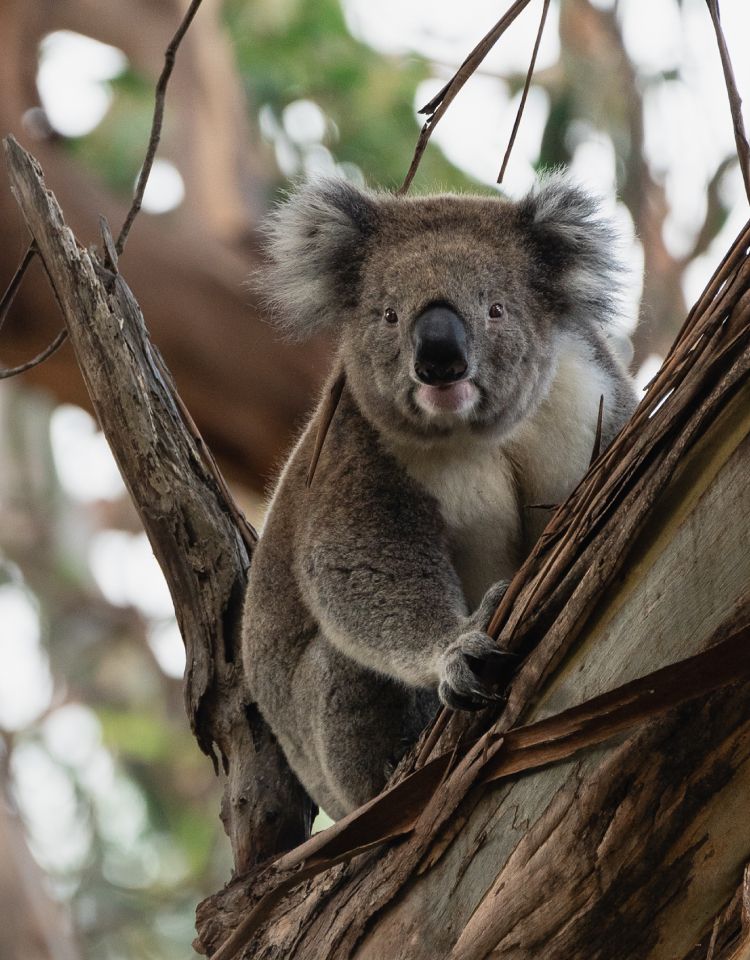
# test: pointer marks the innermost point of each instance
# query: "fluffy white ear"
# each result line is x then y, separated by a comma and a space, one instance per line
316, 242
576, 248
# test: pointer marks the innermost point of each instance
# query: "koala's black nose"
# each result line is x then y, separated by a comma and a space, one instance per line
439, 339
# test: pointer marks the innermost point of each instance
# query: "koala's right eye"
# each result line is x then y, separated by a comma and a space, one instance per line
390, 316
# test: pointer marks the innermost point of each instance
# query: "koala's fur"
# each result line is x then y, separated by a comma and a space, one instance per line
371, 590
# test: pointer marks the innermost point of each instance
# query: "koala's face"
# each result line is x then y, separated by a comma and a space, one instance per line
447, 329
449, 310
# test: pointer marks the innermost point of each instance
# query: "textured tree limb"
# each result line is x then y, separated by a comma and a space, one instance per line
186, 510
735, 101
155, 135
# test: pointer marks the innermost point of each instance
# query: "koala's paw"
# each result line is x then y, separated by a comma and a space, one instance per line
480, 619
471, 670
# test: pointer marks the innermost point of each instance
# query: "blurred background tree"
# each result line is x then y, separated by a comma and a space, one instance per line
119, 808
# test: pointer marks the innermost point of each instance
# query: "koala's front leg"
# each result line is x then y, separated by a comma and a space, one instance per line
473, 668
397, 607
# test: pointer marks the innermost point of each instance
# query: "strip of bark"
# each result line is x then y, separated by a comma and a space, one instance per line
728, 937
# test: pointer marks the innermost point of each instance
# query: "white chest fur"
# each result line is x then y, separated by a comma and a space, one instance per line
474, 484
552, 449
484, 488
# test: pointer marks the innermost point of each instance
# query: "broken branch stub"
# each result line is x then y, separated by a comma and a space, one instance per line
202, 542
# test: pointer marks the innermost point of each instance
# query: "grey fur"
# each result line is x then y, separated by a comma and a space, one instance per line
359, 607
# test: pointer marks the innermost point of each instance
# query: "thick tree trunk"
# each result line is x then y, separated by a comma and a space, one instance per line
627, 852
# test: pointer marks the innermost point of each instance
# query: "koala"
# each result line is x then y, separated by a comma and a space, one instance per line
475, 334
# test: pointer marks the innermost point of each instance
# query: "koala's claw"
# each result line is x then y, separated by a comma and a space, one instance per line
494, 665
456, 701
470, 670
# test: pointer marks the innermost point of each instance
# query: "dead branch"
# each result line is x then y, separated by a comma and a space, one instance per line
156, 124
436, 108
735, 101
524, 95
191, 521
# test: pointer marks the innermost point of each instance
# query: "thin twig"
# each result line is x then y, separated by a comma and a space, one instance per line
153, 142
525, 93
40, 358
435, 110
735, 101
597, 448
442, 100
10, 294
326, 416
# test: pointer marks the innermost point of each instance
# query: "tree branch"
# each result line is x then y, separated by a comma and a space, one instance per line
735, 101
436, 108
188, 514
155, 135
524, 95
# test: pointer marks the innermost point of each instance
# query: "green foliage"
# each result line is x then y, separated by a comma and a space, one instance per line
287, 51
115, 148
302, 49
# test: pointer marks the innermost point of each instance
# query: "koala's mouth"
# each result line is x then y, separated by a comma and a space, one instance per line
448, 398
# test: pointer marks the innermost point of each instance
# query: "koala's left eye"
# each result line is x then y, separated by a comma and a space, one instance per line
390, 316
497, 311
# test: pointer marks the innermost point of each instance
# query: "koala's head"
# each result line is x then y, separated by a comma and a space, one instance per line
449, 310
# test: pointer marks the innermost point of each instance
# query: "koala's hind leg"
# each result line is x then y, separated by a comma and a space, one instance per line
362, 726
